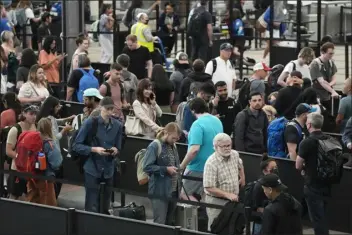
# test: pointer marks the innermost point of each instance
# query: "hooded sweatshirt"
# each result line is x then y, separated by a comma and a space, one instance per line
192, 77
282, 216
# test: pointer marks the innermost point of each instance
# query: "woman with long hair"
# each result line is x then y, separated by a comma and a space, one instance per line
10, 116
43, 191
146, 109
162, 170
35, 89
28, 59
163, 87
82, 43
49, 60
12, 62
130, 16
106, 24
27, 6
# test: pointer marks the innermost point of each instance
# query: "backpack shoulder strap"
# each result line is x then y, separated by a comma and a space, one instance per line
19, 129
294, 66
122, 95
108, 89
79, 120
215, 65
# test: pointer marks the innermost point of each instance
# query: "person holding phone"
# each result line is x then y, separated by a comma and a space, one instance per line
146, 109
50, 60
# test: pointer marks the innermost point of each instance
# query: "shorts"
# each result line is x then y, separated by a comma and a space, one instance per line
192, 187
16, 186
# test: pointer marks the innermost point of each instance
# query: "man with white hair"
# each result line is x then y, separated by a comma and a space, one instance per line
223, 175
143, 32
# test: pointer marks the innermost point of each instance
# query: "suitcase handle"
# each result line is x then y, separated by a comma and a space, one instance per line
333, 104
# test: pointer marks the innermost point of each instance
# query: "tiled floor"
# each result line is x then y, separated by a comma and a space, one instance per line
73, 197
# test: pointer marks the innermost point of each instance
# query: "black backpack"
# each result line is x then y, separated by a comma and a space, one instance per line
274, 76
215, 65
78, 158
243, 94
3, 139
196, 23
248, 194
231, 220
330, 160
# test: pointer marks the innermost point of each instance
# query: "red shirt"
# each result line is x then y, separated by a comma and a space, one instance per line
8, 118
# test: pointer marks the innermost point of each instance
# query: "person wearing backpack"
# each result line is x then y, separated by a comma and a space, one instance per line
113, 88
43, 191
305, 57
82, 43
254, 194
81, 79
283, 214
182, 70
161, 163
44, 29
99, 142
130, 81
320, 160
191, 84
222, 69
200, 29
17, 186
323, 71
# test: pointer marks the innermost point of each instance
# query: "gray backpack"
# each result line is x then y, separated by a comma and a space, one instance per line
180, 114
21, 17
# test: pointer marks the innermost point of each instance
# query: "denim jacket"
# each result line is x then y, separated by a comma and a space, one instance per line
107, 136
53, 156
160, 182
347, 134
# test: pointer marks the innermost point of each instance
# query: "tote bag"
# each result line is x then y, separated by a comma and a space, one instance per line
133, 125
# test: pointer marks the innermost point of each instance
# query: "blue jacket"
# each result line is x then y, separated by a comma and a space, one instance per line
188, 118
96, 165
160, 182
53, 156
161, 23
347, 134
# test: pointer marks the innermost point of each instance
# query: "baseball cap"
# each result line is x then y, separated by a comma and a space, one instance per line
297, 74
107, 102
226, 46
272, 181
92, 92
182, 58
304, 108
30, 108
261, 66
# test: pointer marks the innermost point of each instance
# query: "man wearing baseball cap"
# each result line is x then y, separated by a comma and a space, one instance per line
101, 151
294, 129
222, 69
286, 101
257, 80
91, 99
283, 214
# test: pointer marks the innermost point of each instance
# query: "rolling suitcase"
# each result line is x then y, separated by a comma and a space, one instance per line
187, 216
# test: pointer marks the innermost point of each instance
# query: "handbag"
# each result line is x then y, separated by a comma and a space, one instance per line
131, 211
133, 125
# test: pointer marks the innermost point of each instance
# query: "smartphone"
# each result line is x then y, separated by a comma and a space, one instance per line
152, 96
108, 150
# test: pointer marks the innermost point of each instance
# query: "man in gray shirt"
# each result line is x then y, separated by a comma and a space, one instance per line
257, 80
323, 72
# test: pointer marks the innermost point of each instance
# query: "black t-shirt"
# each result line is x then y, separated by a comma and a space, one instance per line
138, 60
226, 111
73, 80
293, 133
42, 32
259, 200
207, 19
163, 95
285, 104
308, 150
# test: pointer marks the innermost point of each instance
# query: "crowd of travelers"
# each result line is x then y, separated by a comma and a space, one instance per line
276, 115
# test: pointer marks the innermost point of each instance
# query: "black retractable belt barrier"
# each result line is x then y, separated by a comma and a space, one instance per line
102, 186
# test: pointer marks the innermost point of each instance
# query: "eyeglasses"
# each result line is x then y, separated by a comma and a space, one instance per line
225, 146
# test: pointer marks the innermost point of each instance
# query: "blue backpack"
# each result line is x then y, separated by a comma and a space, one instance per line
276, 138
87, 81
56, 9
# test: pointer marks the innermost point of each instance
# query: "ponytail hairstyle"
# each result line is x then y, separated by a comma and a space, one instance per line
45, 128
265, 161
171, 127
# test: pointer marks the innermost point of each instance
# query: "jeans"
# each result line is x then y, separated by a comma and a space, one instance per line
164, 211
317, 211
199, 50
257, 228
92, 187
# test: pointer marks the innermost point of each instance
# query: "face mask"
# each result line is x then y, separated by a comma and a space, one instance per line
275, 171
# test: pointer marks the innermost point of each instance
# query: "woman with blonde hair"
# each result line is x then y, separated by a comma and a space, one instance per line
270, 112
35, 89
43, 191
161, 162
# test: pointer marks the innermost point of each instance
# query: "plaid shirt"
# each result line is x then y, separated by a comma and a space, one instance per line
222, 173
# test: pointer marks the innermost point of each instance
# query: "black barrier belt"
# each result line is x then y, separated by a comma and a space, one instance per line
64, 181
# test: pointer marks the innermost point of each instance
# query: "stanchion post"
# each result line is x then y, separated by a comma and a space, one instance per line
101, 197
347, 58
177, 230
271, 27
114, 34
157, 13
183, 40
342, 34
70, 221
319, 22
299, 21
186, 27
2, 159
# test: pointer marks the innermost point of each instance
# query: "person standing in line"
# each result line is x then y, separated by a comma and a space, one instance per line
106, 24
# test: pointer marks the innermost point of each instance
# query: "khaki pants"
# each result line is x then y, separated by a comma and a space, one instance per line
41, 192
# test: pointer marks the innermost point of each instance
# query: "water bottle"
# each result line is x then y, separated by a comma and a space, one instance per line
41, 162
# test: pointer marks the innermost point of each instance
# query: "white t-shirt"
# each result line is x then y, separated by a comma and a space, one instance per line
304, 69
224, 72
29, 13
